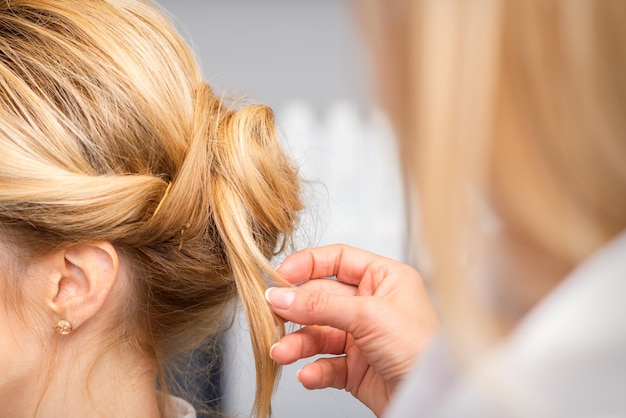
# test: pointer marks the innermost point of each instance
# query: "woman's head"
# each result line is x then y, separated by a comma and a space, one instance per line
512, 109
109, 135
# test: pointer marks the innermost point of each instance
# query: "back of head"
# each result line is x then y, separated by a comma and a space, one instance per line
107, 132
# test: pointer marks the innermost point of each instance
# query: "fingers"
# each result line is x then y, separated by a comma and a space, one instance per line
374, 302
336, 373
316, 305
324, 373
348, 264
308, 342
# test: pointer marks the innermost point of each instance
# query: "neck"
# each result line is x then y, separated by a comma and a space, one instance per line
87, 382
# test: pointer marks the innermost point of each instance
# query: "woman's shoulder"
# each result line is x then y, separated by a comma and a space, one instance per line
566, 358
567, 355
586, 311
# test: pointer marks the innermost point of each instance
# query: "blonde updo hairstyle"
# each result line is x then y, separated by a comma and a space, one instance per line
107, 132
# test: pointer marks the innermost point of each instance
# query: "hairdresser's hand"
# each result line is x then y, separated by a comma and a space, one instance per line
376, 316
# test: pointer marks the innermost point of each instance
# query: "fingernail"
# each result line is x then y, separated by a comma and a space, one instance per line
298, 375
272, 349
280, 297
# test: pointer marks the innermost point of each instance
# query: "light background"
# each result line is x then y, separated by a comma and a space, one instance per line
304, 58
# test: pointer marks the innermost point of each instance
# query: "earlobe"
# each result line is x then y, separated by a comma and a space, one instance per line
83, 282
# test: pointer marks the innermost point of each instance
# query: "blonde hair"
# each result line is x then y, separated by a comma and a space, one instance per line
107, 132
517, 104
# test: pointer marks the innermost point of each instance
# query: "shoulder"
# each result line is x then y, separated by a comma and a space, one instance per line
566, 358
568, 355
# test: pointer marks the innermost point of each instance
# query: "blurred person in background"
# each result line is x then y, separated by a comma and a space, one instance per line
512, 127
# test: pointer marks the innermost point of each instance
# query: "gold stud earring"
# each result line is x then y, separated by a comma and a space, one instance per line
63, 327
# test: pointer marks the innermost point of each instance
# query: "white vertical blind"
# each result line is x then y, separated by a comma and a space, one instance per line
349, 157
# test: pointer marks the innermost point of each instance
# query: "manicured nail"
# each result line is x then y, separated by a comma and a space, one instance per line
280, 297
272, 349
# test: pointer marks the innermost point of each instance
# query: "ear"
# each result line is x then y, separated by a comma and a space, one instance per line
81, 281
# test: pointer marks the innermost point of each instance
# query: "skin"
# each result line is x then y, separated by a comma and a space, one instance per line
356, 329
77, 375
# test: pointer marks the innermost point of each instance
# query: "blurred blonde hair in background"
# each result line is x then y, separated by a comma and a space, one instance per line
510, 110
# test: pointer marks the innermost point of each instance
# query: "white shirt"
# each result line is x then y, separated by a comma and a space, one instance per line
566, 358
181, 408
